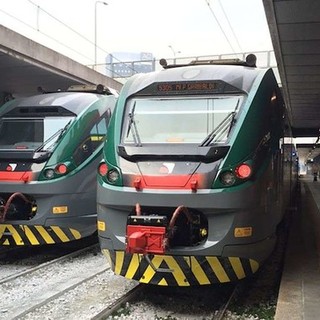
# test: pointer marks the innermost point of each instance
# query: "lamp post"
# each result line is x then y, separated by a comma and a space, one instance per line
95, 31
174, 53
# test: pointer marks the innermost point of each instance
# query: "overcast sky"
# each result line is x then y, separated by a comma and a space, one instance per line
165, 28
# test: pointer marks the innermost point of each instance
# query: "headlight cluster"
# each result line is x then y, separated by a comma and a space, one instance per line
241, 172
58, 171
112, 175
228, 178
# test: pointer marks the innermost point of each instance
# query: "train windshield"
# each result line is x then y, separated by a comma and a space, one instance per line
36, 134
201, 121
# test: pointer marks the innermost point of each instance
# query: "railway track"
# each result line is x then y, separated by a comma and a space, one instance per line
220, 314
25, 268
14, 260
118, 304
75, 286
146, 303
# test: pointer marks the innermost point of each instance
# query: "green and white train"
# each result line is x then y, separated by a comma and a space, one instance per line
198, 169
50, 148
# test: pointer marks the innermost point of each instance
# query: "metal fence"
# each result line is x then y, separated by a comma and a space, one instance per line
120, 71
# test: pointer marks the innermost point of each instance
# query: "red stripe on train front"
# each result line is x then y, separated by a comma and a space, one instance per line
24, 176
167, 182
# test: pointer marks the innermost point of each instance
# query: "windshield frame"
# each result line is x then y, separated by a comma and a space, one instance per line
129, 123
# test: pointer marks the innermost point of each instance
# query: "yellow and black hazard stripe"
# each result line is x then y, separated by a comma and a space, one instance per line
168, 270
26, 235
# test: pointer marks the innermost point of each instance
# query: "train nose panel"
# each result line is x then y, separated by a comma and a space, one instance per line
167, 174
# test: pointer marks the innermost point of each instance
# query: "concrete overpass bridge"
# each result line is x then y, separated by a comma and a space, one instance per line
26, 65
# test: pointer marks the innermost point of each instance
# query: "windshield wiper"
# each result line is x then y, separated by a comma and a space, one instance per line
226, 123
133, 127
59, 133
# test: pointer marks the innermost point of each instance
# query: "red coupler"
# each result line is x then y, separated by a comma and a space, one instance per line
145, 239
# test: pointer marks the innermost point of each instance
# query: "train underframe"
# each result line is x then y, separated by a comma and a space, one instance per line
40, 219
196, 239
50, 212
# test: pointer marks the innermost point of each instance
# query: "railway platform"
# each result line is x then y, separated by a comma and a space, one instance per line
299, 293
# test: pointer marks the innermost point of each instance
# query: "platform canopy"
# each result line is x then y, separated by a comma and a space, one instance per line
295, 31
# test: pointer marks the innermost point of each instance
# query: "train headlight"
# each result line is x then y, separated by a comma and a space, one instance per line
49, 173
228, 178
112, 176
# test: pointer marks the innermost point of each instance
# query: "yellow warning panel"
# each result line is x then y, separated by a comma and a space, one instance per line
243, 232
101, 225
60, 210
96, 138
20, 235
2, 229
180, 271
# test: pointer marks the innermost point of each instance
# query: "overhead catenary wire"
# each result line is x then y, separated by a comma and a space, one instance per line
37, 28
48, 36
71, 29
217, 21
61, 22
230, 26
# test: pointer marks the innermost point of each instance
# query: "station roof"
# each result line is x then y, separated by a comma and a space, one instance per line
295, 31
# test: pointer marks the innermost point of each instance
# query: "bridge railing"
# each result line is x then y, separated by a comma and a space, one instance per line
121, 70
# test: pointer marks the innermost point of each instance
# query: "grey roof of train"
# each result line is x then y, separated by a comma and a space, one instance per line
76, 102
241, 77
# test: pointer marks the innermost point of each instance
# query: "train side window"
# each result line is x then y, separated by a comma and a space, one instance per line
99, 129
92, 139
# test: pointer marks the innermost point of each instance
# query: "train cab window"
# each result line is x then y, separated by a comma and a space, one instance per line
173, 120
30, 133
92, 139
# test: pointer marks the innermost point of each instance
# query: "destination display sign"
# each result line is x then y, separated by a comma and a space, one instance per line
188, 88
